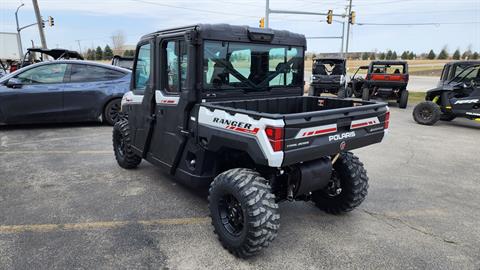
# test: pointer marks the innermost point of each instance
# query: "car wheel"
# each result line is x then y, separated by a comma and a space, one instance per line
402, 102
243, 210
427, 113
111, 114
347, 188
366, 94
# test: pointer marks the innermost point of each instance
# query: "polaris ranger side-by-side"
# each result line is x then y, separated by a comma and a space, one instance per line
223, 106
388, 80
457, 95
328, 76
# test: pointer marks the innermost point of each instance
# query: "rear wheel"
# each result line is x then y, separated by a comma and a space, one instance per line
122, 139
244, 213
427, 113
342, 93
402, 102
111, 114
365, 94
347, 188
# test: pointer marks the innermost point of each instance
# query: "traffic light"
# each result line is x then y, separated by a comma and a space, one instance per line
330, 16
262, 22
352, 17
43, 24
50, 21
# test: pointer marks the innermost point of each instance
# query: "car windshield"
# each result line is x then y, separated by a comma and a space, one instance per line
328, 67
466, 73
251, 67
388, 69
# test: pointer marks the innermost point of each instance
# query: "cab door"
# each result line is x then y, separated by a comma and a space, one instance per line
167, 137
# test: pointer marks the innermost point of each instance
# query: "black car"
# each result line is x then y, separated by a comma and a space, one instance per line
63, 91
328, 76
455, 97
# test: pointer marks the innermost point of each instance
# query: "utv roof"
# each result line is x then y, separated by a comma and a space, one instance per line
226, 32
465, 62
328, 58
390, 62
57, 53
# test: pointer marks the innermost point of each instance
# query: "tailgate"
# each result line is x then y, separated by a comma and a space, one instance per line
326, 133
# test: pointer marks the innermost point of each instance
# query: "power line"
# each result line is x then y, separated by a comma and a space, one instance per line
416, 24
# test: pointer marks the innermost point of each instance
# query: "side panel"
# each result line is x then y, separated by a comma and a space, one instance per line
219, 129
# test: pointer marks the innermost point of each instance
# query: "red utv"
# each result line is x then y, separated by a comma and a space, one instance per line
387, 80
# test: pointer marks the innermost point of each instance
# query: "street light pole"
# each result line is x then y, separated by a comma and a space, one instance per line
267, 14
39, 22
20, 49
348, 27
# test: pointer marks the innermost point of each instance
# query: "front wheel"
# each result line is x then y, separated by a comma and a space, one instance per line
402, 102
122, 139
243, 210
366, 94
427, 113
347, 188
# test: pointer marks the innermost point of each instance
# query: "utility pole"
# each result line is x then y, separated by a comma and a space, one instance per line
79, 46
20, 49
267, 13
40, 24
348, 27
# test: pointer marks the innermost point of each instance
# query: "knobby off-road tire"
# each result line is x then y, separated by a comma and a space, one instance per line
122, 139
243, 210
341, 93
366, 94
353, 183
427, 113
403, 101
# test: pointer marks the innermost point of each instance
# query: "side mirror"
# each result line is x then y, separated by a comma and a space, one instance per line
14, 83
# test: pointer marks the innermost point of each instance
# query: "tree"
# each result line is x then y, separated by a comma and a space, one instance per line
389, 55
411, 56
456, 55
394, 55
382, 56
90, 54
404, 55
107, 53
443, 54
431, 55
475, 56
373, 56
99, 53
118, 40
364, 56
129, 53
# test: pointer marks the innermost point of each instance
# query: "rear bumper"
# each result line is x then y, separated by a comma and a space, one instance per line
386, 84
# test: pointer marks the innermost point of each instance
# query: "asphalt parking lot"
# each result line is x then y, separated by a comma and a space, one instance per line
65, 204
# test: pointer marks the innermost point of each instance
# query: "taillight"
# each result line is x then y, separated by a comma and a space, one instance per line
405, 77
367, 77
387, 119
275, 136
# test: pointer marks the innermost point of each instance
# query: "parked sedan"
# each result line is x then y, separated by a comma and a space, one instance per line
63, 91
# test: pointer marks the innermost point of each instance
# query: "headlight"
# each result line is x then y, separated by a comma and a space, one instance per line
312, 78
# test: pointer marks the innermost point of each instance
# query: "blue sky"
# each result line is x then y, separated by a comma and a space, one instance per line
94, 21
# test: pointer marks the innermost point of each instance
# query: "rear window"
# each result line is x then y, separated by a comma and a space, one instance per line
328, 67
387, 69
89, 73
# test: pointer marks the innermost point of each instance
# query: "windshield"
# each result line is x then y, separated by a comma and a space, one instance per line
251, 67
329, 67
466, 73
388, 69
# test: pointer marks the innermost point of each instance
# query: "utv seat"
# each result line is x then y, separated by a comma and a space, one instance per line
337, 70
397, 71
320, 70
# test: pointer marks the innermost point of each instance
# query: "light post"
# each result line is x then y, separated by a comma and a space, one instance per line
18, 30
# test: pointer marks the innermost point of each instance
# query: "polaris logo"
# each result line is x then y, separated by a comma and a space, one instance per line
468, 101
232, 123
342, 136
